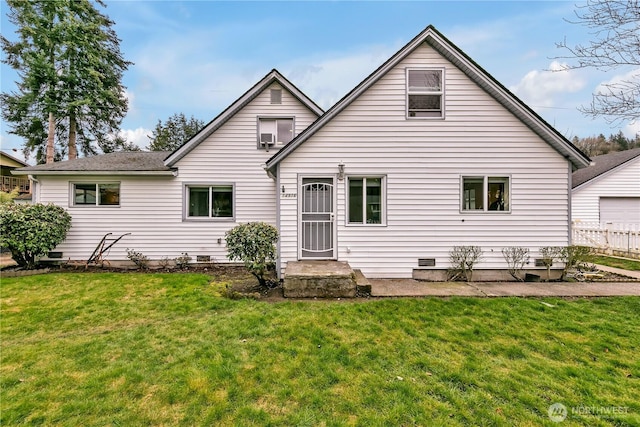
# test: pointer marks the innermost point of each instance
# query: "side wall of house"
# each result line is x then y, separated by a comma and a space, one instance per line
153, 209
422, 162
621, 182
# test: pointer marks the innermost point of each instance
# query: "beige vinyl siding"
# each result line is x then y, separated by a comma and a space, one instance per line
621, 182
423, 161
152, 208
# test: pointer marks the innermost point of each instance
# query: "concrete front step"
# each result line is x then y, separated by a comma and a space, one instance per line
319, 279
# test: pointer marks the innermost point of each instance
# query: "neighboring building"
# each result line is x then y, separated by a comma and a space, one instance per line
608, 191
427, 153
9, 182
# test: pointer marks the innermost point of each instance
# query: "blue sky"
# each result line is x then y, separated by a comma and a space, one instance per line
197, 57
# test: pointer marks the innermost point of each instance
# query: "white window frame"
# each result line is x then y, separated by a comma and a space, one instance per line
210, 187
487, 181
275, 143
426, 91
97, 203
383, 200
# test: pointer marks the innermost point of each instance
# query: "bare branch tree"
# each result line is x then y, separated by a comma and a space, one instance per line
615, 30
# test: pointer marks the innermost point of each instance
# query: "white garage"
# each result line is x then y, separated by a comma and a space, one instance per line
620, 210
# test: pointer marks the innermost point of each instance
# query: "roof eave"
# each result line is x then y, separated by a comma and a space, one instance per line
92, 173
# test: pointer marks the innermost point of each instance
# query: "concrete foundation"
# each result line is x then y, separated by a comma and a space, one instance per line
433, 275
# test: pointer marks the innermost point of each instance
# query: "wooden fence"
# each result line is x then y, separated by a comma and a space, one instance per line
612, 239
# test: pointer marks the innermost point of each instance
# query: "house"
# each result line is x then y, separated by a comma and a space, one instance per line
9, 163
427, 153
608, 191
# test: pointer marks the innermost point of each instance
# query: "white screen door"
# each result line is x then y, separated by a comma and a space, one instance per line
317, 219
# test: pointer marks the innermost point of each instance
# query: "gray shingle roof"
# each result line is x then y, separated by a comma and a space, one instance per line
603, 164
120, 162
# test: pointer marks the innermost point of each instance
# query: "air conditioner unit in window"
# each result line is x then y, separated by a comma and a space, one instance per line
267, 140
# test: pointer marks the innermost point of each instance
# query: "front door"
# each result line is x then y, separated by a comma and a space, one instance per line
317, 219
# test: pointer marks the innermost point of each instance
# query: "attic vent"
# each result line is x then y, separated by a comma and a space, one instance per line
276, 96
426, 262
540, 262
203, 258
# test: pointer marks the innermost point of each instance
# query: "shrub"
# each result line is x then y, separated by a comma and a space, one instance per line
183, 260
573, 257
516, 258
138, 258
30, 231
550, 254
254, 244
463, 259
164, 262
8, 197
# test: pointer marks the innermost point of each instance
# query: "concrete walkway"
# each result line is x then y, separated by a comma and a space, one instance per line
414, 288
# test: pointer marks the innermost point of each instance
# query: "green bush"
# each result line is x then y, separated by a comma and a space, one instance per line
30, 231
254, 244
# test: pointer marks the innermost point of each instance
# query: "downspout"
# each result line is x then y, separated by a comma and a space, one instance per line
570, 183
34, 188
276, 178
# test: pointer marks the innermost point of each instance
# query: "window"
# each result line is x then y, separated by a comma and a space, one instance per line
276, 96
214, 201
485, 193
425, 93
103, 194
274, 132
366, 202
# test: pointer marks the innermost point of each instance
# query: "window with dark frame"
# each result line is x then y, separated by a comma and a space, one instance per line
365, 200
96, 194
425, 93
485, 194
215, 201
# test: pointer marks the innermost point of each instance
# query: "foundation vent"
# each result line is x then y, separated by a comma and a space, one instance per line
426, 262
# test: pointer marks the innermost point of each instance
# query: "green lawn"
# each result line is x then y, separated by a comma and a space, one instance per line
165, 349
624, 263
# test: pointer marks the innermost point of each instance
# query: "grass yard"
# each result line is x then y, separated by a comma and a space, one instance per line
624, 263
89, 349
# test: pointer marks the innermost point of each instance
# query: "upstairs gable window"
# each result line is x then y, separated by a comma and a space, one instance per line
425, 93
274, 132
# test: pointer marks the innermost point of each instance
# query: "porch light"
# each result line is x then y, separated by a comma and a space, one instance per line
340, 171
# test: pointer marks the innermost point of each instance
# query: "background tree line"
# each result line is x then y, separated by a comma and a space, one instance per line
598, 145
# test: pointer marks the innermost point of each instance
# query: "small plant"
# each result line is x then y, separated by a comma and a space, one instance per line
574, 257
254, 243
463, 259
164, 262
138, 258
549, 255
183, 260
516, 258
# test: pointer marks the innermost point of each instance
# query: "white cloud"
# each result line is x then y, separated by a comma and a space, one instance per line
632, 129
543, 88
139, 136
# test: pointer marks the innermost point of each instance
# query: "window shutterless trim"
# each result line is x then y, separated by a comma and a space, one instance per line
96, 204
383, 200
485, 194
185, 202
440, 93
275, 118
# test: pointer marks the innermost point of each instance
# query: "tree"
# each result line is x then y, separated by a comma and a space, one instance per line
118, 143
254, 243
29, 231
69, 61
174, 132
615, 26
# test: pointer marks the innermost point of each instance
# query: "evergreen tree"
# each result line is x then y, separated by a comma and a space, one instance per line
69, 61
174, 132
